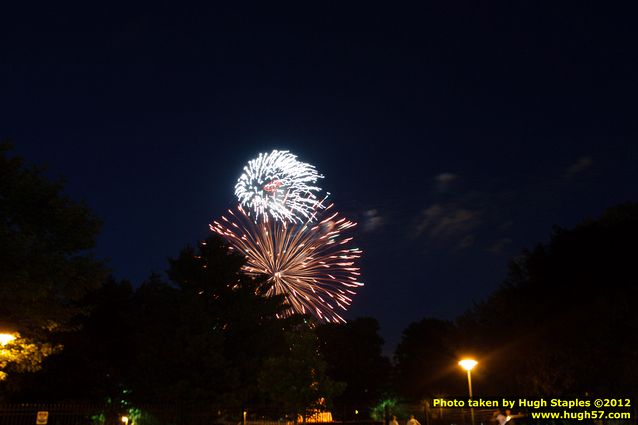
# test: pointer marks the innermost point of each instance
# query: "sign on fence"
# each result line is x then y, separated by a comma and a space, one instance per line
42, 418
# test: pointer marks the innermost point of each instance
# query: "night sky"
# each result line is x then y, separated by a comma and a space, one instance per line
456, 134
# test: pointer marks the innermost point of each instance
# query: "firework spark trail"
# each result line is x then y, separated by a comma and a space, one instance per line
279, 186
306, 263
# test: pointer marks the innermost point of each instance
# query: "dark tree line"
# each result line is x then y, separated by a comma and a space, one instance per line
563, 323
194, 339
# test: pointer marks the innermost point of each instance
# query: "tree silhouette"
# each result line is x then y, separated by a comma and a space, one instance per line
353, 353
45, 261
564, 321
296, 379
425, 361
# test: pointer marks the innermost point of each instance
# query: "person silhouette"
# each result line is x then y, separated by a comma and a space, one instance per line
501, 418
413, 421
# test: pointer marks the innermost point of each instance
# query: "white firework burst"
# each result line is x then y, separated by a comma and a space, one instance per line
279, 186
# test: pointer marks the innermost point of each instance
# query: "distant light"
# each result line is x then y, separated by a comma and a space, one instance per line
356, 412
124, 419
6, 338
468, 364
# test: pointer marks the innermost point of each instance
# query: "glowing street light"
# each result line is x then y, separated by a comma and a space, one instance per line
468, 364
6, 338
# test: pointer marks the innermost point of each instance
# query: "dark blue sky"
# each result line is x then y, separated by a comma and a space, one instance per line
456, 134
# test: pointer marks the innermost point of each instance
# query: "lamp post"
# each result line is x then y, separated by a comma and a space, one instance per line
468, 365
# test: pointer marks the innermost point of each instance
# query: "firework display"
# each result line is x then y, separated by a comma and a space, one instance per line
309, 264
292, 238
278, 186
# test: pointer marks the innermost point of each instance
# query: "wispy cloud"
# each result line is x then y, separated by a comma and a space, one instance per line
444, 222
581, 164
443, 181
458, 218
372, 220
466, 242
499, 245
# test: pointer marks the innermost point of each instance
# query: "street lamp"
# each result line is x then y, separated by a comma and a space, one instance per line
468, 364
